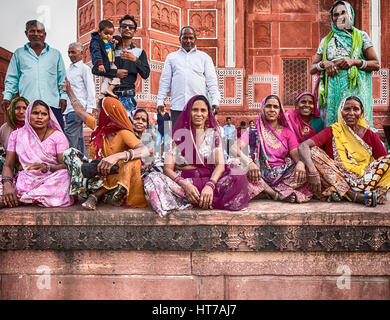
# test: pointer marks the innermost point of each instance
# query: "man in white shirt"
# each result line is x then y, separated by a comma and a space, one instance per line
83, 85
230, 133
187, 72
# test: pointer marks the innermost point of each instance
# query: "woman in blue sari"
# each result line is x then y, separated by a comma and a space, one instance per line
345, 60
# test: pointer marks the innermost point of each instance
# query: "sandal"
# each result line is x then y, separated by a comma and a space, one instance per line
370, 196
335, 197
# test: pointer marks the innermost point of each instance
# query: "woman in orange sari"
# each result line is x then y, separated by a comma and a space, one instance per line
112, 142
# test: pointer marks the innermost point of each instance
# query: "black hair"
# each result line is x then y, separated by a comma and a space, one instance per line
128, 17
40, 103
34, 23
187, 27
356, 99
147, 116
105, 24
273, 96
335, 5
251, 121
242, 123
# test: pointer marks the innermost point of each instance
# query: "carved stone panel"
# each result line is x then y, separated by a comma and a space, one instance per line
262, 65
212, 52
204, 21
294, 6
165, 17
114, 10
261, 34
86, 18
160, 50
259, 6
295, 34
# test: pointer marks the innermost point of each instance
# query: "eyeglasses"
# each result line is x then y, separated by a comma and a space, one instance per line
130, 26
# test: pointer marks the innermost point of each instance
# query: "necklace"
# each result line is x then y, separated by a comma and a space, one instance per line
43, 138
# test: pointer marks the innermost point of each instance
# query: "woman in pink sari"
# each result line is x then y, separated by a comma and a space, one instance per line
195, 173
305, 119
276, 170
39, 146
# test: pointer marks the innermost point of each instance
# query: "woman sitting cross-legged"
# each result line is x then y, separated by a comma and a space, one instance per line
305, 120
112, 142
194, 171
38, 146
276, 171
354, 164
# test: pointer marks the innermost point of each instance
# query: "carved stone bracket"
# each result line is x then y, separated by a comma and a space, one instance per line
207, 238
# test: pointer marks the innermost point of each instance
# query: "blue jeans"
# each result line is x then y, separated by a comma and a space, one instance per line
130, 105
158, 141
74, 131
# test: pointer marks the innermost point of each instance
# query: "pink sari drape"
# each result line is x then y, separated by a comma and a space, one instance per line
49, 189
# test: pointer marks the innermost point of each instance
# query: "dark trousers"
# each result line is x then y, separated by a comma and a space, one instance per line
60, 118
174, 116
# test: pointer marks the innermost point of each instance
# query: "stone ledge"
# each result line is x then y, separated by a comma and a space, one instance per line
264, 226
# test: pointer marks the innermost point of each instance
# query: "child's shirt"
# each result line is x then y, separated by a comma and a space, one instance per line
110, 51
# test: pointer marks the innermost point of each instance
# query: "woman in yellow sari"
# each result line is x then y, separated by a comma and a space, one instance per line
113, 141
354, 164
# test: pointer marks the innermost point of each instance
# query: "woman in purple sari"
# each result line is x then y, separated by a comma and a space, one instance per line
305, 119
195, 173
276, 170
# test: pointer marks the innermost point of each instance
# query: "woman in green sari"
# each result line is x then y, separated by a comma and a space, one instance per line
345, 60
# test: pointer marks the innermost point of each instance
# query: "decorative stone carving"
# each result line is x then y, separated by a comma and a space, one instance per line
261, 6
160, 50
261, 34
297, 6
272, 81
212, 52
383, 99
114, 10
222, 74
165, 17
189, 238
204, 21
87, 18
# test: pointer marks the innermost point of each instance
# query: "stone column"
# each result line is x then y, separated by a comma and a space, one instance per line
230, 58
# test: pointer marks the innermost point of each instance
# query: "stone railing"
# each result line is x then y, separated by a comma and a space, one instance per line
270, 251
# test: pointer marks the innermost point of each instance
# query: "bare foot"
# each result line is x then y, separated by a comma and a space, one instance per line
291, 198
90, 203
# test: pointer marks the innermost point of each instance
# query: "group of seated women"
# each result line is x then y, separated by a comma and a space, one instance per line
292, 158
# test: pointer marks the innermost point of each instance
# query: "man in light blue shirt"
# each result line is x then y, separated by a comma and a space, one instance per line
36, 71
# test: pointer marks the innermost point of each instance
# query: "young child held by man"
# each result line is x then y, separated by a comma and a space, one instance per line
102, 48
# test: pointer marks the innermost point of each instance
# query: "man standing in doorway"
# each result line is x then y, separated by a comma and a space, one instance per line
133, 59
81, 80
187, 72
36, 71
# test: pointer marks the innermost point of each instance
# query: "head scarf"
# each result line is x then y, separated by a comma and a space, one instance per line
351, 151
265, 131
348, 40
302, 130
11, 117
29, 146
112, 118
184, 134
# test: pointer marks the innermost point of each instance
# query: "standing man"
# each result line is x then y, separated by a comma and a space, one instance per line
81, 80
133, 59
187, 72
36, 71
230, 133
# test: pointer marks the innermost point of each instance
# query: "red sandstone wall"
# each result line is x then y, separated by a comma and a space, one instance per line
5, 57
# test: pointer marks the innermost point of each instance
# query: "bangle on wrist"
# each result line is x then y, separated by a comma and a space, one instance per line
178, 179
73, 100
7, 179
127, 156
211, 184
364, 65
318, 66
47, 167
